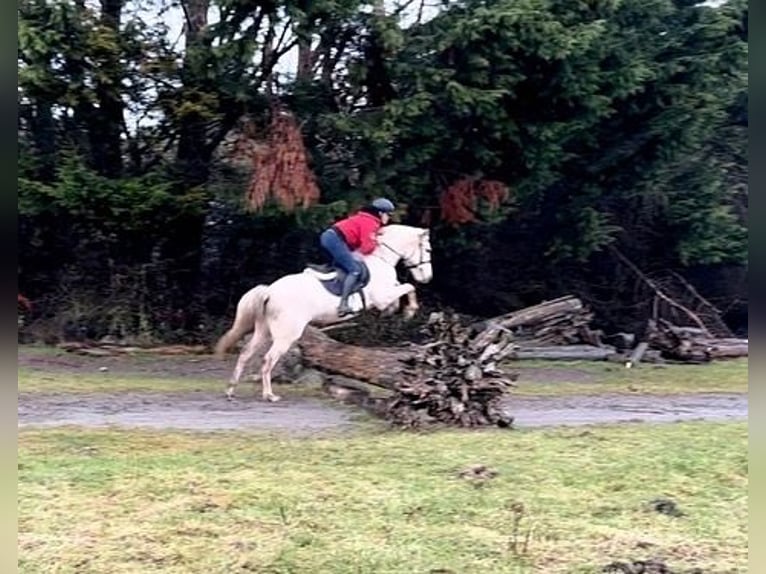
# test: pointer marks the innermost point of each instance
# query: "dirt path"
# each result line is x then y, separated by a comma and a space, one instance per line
205, 411
209, 410
613, 408
202, 411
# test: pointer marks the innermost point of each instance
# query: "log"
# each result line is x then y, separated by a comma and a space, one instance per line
725, 341
374, 366
728, 350
562, 321
565, 353
692, 345
637, 355
533, 315
445, 381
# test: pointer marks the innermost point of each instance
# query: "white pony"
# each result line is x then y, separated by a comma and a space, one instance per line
283, 309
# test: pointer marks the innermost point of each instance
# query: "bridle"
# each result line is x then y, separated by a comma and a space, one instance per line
400, 256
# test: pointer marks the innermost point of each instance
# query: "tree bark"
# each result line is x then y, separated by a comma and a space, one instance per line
192, 155
374, 366
43, 128
305, 60
637, 354
106, 127
535, 314
564, 353
685, 344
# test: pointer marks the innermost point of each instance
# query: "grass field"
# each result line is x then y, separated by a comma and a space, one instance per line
562, 501
588, 377
378, 501
544, 378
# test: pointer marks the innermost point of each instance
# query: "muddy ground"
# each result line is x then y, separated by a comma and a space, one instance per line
209, 410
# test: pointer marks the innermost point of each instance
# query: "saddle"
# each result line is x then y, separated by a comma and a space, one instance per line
332, 277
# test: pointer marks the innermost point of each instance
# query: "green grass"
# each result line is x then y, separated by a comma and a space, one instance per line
138, 501
588, 377
566, 378
35, 381
119, 501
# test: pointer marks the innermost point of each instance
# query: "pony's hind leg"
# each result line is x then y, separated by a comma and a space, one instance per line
244, 358
283, 337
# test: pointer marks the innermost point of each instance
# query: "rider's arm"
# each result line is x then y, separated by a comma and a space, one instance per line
368, 243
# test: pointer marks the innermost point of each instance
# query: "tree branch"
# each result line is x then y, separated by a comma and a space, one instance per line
659, 293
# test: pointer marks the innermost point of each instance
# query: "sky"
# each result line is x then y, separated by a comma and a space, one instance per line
174, 19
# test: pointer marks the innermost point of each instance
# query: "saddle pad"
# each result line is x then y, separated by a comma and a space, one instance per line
332, 278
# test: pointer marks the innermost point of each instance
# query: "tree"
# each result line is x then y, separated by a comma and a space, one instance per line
79, 70
585, 111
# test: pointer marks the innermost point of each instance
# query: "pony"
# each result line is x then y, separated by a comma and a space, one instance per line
282, 310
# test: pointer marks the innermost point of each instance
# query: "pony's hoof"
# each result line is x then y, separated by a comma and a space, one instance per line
229, 396
271, 398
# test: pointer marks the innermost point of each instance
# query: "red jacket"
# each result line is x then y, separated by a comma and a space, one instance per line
359, 231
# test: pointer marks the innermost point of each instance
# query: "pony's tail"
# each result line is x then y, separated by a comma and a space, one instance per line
250, 312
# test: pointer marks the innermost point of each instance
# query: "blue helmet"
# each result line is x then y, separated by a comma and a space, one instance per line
383, 205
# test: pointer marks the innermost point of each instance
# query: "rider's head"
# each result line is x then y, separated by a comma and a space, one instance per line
381, 207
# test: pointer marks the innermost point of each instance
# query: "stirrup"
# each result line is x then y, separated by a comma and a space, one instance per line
344, 310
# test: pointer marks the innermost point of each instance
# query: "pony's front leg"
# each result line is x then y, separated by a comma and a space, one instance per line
388, 297
392, 308
412, 305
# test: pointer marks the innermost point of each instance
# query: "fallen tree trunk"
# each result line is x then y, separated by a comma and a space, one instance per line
374, 366
445, 381
110, 349
692, 345
719, 350
564, 353
563, 321
534, 315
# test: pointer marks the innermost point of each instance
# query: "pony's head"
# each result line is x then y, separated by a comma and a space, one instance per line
413, 245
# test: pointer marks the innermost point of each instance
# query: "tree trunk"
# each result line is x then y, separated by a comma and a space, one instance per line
374, 366
107, 121
192, 155
305, 60
687, 344
44, 136
535, 314
564, 353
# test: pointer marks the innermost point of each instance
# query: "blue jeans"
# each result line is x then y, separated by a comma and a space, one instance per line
337, 248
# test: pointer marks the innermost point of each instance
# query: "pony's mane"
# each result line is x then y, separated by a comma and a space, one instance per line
398, 228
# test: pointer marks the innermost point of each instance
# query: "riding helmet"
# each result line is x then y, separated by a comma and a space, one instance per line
383, 205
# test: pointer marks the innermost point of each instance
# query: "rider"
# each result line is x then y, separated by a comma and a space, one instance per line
356, 232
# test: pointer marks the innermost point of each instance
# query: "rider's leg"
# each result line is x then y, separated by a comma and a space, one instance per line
341, 254
349, 282
329, 241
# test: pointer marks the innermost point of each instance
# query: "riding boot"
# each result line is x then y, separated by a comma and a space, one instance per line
348, 286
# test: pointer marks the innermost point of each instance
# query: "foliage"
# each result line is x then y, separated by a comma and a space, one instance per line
613, 123
280, 167
459, 203
108, 210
